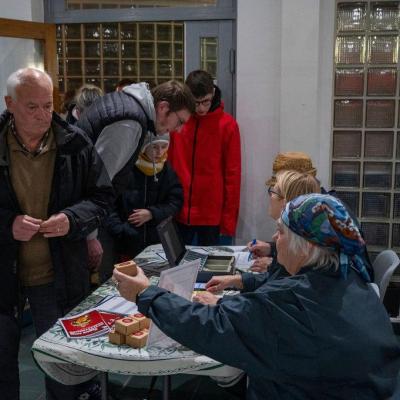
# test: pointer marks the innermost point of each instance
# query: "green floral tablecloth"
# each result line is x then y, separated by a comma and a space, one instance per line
72, 361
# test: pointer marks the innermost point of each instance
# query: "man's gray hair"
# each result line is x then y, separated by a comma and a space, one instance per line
316, 255
24, 76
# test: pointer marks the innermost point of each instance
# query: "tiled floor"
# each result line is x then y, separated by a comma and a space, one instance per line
185, 387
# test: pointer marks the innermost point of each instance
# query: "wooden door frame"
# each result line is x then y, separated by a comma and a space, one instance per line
38, 31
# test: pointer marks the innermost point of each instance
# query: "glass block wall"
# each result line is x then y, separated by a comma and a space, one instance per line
102, 54
366, 124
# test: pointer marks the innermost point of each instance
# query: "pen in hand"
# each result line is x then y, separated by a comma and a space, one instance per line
254, 241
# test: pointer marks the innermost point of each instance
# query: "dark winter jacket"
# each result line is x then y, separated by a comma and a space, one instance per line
80, 189
163, 198
309, 336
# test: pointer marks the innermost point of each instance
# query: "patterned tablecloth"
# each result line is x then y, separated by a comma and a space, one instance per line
73, 361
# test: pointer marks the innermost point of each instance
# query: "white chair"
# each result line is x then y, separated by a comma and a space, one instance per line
384, 266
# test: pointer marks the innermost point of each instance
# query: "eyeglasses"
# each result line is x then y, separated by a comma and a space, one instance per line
205, 102
271, 191
180, 121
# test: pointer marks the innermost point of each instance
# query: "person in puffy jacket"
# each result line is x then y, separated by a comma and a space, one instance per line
205, 153
153, 194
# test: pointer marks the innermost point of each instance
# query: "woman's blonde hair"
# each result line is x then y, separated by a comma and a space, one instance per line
292, 184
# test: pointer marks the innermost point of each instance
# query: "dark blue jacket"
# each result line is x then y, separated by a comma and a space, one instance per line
81, 189
310, 336
163, 198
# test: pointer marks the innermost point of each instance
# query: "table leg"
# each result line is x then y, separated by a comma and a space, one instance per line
166, 387
103, 376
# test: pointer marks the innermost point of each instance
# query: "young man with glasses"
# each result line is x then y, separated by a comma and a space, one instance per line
205, 154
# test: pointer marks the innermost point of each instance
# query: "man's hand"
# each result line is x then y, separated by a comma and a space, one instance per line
130, 286
205, 298
261, 264
57, 225
25, 227
95, 253
219, 283
260, 249
139, 217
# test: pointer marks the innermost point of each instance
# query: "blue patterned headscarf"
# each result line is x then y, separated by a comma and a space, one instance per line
323, 220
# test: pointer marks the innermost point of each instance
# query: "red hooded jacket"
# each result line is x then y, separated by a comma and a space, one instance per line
205, 154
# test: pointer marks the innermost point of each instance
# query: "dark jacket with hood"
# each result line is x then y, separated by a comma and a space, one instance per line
164, 198
80, 189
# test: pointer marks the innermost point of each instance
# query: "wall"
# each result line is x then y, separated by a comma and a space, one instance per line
27, 10
283, 95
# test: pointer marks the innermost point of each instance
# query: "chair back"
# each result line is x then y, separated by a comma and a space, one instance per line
384, 266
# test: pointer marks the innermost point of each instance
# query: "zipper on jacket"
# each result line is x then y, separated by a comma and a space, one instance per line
192, 173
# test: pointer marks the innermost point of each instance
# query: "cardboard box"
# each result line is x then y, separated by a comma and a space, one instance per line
137, 340
127, 325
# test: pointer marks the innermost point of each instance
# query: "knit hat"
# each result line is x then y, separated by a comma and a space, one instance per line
323, 220
151, 139
291, 160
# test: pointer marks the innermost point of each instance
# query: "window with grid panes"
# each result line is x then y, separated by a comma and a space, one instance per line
104, 53
366, 126
96, 4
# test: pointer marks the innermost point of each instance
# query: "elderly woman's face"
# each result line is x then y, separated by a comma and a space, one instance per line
291, 261
276, 202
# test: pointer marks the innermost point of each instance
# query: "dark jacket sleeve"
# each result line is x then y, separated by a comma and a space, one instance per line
97, 198
7, 218
174, 198
119, 229
227, 332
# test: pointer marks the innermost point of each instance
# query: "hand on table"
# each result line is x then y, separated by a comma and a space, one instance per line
260, 249
25, 227
56, 226
140, 217
219, 283
205, 298
261, 264
130, 286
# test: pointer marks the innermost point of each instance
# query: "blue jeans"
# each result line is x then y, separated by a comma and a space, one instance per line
45, 312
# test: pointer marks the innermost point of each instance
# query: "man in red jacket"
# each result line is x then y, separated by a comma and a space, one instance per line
205, 154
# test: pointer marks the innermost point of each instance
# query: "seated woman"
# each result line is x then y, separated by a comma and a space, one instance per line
153, 194
319, 333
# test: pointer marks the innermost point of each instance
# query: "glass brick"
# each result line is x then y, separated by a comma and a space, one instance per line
396, 205
94, 81
128, 30
164, 51
110, 49
60, 50
377, 175
350, 50
349, 82
345, 174
346, 144
375, 234
129, 67
380, 113
385, 16
74, 83
110, 31
146, 31
92, 67
72, 31
74, 67
59, 30
92, 49
110, 84
178, 32
164, 68
61, 86
375, 205
110, 68
178, 65
211, 68
382, 82
350, 200
398, 145
60, 67
147, 68
351, 17
178, 51
383, 49
92, 31
146, 50
396, 235
73, 49
128, 50
397, 176
348, 113
164, 32
379, 144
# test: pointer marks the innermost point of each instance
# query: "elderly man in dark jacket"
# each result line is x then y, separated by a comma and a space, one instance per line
53, 191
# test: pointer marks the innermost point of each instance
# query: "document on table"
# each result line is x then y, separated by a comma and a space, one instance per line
117, 304
242, 260
179, 280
